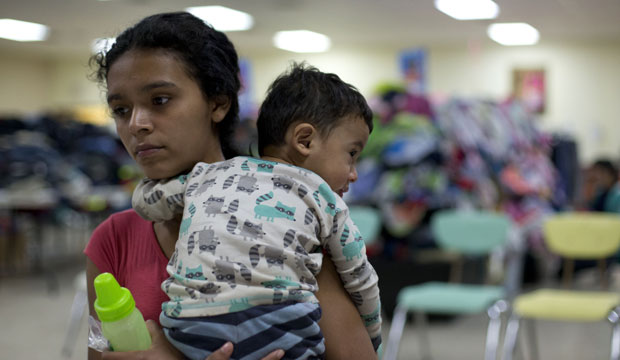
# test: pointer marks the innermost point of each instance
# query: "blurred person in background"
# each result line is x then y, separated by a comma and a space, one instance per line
603, 177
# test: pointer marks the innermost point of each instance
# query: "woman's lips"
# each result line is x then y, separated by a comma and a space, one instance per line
146, 150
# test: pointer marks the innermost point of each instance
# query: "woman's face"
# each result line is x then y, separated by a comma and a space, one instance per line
161, 115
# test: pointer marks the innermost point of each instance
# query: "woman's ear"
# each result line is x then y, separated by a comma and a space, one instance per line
304, 134
219, 108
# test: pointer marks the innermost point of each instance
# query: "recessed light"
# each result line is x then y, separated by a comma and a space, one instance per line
223, 18
511, 34
18, 30
301, 41
468, 9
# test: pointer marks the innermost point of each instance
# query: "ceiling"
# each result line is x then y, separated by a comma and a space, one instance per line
349, 23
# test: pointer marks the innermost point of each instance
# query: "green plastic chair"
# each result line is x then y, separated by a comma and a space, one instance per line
474, 233
368, 221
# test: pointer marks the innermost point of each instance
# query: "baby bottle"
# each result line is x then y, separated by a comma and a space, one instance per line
121, 322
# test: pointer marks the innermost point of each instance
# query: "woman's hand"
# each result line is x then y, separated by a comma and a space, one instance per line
161, 349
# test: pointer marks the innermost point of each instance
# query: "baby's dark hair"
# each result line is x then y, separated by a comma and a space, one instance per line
305, 94
209, 58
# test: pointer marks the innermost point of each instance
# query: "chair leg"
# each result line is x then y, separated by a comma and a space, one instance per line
614, 317
532, 339
396, 333
510, 339
495, 324
422, 325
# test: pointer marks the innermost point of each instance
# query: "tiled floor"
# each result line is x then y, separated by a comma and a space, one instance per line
35, 319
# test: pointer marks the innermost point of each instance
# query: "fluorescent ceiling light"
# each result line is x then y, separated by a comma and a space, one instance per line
301, 41
468, 9
22, 30
513, 33
102, 45
223, 18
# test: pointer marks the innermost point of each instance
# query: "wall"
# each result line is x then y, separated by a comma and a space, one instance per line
583, 86
25, 85
71, 85
360, 67
31, 84
583, 81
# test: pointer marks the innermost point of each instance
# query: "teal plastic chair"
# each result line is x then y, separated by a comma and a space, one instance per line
474, 233
368, 221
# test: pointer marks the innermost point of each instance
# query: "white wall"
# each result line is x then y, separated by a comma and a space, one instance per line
32, 85
71, 86
24, 85
583, 81
360, 67
583, 86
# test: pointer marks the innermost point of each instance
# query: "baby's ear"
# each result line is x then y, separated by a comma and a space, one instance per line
220, 105
304, 134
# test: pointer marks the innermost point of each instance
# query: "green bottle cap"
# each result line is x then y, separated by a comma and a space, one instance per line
113, 301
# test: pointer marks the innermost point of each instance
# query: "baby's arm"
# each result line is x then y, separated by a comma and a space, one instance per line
348, 252
159, 200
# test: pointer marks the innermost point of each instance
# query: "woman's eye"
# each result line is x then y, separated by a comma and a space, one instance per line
119, 111
353, 153
160, 100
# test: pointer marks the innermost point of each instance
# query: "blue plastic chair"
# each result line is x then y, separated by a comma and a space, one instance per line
469, 234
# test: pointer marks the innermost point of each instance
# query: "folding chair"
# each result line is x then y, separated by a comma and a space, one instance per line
368, 221
585, 236
468, 234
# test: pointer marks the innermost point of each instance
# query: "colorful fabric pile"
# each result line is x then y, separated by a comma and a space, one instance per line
426, 155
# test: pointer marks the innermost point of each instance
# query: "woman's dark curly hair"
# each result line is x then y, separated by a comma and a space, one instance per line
209, 57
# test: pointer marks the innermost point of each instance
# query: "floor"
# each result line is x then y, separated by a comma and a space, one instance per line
35, 313
35, 310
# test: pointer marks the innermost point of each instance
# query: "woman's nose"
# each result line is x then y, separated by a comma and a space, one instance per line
140, 122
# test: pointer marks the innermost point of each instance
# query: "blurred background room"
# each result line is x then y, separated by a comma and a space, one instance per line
471, 124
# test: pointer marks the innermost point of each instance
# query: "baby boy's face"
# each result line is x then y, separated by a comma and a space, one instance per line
338, 152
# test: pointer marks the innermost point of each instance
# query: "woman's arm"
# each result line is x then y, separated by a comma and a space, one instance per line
345, 334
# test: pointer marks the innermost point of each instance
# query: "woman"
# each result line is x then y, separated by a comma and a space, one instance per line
172, 89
